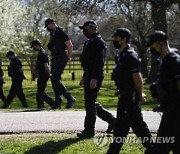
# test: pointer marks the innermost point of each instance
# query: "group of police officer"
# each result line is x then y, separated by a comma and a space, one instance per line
129, 82
127, 77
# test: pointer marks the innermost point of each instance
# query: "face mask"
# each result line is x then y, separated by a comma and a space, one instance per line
48, 29
154, 52
85, 32
116, 44
10, 58
35, 49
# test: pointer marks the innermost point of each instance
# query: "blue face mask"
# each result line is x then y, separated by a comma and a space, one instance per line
154, 52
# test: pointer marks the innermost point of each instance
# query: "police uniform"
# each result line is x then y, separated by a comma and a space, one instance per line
168, 76
59, 59
92, 60
16, 86
43, 77
128, 110
3, 98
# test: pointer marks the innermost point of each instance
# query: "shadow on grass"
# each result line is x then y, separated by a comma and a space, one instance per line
52, 147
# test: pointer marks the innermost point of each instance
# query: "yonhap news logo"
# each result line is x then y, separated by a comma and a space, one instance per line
103, 139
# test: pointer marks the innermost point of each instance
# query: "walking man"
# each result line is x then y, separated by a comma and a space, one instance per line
16, 73
43, 72
2, 97
130, 86
167, 91
61, 47
92, 60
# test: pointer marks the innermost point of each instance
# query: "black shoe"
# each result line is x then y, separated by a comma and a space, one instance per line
56, 106
85, 134
70, 102
111, 126
25, 106
4, 106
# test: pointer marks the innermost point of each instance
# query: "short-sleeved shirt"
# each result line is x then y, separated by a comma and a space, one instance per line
15, 66
127, 64
42, 58
57, 41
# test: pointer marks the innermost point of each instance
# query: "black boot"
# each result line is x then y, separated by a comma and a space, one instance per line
25, 106
5, 106
85, 134
70, 99
56, 105
111, 126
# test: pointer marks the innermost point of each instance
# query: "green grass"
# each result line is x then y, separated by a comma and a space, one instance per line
106, 95
58, 144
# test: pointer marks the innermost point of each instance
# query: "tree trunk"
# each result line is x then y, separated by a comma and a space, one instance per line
160, 23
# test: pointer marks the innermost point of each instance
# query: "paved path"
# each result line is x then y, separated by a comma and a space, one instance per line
58, 121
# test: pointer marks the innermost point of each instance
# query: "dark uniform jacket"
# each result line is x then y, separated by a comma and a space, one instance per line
42, 58
93, 56
57, 41
128, 63
168, 76
14, 69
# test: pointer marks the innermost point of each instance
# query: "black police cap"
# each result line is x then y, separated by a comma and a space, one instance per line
9, 53
122, 32
90, 23
35, 42
156, 36
48, 21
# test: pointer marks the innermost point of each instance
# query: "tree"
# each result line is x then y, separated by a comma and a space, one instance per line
137, 19
158, 15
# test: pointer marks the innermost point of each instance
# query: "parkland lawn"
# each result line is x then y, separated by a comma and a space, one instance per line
64, 143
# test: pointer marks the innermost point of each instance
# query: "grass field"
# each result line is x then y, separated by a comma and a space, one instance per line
58, 144
106, 95
64, 143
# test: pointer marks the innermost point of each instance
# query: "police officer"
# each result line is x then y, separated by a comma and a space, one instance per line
58, 44
43, 72
3, 98
92, 60
15, 71
167, 92
130, 85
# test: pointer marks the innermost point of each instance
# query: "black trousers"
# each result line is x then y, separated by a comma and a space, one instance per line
103, 114
169, 128
58, 65
91, 106
41, 96
16, 90
2, 97
129, 115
